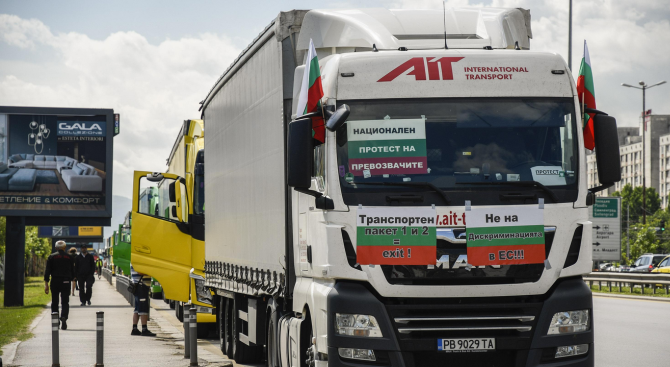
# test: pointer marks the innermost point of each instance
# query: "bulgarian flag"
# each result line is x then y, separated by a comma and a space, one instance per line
587, 97
311, 93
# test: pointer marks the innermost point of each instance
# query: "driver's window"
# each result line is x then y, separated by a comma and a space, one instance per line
664, 263
158, 199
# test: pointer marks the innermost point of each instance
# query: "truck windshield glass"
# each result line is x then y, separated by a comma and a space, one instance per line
199, 195
456, 143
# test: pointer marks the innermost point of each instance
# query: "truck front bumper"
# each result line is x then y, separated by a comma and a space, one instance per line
528, 345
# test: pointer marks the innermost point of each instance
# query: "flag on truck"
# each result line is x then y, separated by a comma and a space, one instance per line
587, 97
311, 93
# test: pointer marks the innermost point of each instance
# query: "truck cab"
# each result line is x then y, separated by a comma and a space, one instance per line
168, 230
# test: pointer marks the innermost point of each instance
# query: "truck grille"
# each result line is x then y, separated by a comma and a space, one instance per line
453, 246
419, 326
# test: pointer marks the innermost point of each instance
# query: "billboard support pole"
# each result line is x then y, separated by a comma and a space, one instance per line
15, 240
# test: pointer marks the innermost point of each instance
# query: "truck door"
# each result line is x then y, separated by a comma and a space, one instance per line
161, 243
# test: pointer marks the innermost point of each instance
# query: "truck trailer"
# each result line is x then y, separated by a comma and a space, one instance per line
443, 219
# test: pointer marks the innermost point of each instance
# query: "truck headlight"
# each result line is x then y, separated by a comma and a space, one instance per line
357, 325
569, 322
202, 294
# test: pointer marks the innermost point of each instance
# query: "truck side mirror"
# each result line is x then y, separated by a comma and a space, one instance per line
607, 149
300, 153
338, 118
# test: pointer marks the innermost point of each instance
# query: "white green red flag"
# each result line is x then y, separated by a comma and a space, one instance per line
587, 97
311, 93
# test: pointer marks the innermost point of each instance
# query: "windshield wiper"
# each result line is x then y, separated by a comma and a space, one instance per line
409, 183
551, 194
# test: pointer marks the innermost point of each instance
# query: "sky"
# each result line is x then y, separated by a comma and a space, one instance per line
153, 61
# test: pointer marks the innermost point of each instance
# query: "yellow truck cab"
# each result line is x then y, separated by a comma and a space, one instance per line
168, 236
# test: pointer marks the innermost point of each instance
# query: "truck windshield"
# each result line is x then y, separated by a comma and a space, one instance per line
458, 145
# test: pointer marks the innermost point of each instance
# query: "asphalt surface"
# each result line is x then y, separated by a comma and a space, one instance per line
631, 332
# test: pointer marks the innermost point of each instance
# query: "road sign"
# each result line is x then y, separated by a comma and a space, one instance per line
605, 215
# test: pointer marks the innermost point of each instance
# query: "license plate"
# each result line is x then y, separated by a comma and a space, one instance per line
466, 345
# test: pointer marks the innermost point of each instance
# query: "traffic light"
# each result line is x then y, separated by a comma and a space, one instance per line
662, 225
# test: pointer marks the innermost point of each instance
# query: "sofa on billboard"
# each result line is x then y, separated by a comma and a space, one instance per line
82, 177
20, 173
16, 179
57, 162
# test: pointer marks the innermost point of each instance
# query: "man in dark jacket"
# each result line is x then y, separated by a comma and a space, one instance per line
59, 268
84, 266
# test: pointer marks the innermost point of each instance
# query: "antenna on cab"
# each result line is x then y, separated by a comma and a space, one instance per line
444, 12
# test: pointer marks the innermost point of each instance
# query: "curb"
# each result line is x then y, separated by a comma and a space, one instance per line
625, 296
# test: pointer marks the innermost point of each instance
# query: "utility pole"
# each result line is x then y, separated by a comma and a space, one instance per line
643, 86
570, 37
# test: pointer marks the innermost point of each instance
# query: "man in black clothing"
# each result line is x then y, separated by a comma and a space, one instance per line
84, 266
61, 271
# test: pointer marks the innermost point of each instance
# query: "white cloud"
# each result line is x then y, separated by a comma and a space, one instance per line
153, 87
626, 41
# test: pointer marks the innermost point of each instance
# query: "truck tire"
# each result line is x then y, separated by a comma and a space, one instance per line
223, 331
227, 327
172, 304
203, 330
242, 353
179, 311
272, 342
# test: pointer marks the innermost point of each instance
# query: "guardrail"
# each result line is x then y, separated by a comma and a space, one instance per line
653, 280
107, 274
122, 283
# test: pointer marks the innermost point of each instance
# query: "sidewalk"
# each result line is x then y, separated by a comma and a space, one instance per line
77, 343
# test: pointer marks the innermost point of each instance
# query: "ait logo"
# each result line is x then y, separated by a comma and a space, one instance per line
418, 66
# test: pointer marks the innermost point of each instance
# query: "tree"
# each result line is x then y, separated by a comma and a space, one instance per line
3, 222
632, 199
645, 241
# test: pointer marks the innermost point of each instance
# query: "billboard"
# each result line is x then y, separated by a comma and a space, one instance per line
68, 231
56, 162
605, 214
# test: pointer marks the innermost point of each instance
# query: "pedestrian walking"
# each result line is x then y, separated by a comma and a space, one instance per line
141, 302
85, 268
61, 272
73, 254
98, 264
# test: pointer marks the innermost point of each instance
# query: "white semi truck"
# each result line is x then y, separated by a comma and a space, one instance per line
442, 222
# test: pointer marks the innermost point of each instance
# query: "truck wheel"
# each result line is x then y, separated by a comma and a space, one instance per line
179, 311
242, 353
203, 330
223, 345
228, 328
271, 348
172, 304
271, 340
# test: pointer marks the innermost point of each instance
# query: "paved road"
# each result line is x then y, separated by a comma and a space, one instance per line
631, 332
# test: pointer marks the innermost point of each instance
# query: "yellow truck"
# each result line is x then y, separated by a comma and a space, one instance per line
175, 254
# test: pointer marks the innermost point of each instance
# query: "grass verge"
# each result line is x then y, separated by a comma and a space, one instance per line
14, 321
637, 290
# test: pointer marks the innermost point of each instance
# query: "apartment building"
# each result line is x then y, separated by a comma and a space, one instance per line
657, 164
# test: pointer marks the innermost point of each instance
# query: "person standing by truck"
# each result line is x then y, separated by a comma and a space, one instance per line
61, 272
141, 302
85, 268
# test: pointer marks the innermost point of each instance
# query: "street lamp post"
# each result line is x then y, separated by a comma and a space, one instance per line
643, 86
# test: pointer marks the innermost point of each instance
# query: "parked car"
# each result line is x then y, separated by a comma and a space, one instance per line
663, 266
646, 263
